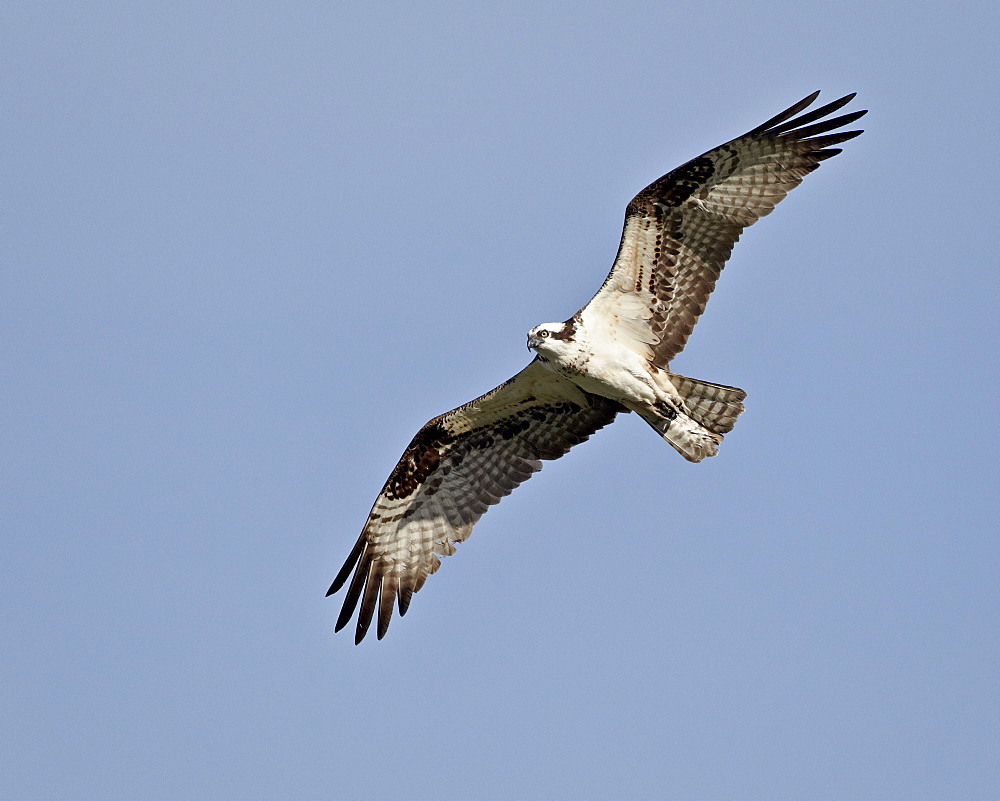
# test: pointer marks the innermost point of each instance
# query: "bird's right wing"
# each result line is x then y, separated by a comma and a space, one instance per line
456, 467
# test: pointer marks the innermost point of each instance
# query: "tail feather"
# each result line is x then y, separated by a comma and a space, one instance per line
709, 411
715, 406
691, 440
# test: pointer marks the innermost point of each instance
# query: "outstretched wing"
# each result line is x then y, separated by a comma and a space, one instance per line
680, 230
456, 467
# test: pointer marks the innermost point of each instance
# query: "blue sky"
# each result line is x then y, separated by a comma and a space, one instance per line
249, 250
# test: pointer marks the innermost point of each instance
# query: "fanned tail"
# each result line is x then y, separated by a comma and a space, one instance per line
692, 441
715, 406
695, 431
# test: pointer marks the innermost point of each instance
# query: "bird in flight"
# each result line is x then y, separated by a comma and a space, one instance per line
612, 356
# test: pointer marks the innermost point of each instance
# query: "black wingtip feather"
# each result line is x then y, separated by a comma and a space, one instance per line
353, 593
783, 123
403, 599
373, 587
345, 571
833, 138
826, 125
812, 116
390, 586
791, 111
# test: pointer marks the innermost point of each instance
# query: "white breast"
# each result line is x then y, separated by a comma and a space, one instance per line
607, 365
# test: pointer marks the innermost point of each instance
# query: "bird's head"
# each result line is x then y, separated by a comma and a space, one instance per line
550, 338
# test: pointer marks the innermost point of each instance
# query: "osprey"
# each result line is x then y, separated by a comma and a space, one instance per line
612, 356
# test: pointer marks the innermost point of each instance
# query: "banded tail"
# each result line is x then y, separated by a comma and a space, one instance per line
710, 410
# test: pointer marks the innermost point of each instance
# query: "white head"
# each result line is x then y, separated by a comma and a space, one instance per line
551, 338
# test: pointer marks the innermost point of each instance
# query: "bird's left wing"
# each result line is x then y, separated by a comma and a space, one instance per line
456, 467
680, 230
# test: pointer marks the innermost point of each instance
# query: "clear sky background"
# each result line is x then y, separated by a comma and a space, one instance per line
249, 249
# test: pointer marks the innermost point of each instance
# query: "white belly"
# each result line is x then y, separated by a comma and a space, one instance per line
621, 375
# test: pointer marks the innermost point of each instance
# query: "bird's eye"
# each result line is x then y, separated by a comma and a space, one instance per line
543, 334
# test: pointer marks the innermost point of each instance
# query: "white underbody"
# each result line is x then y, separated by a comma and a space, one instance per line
609, 368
